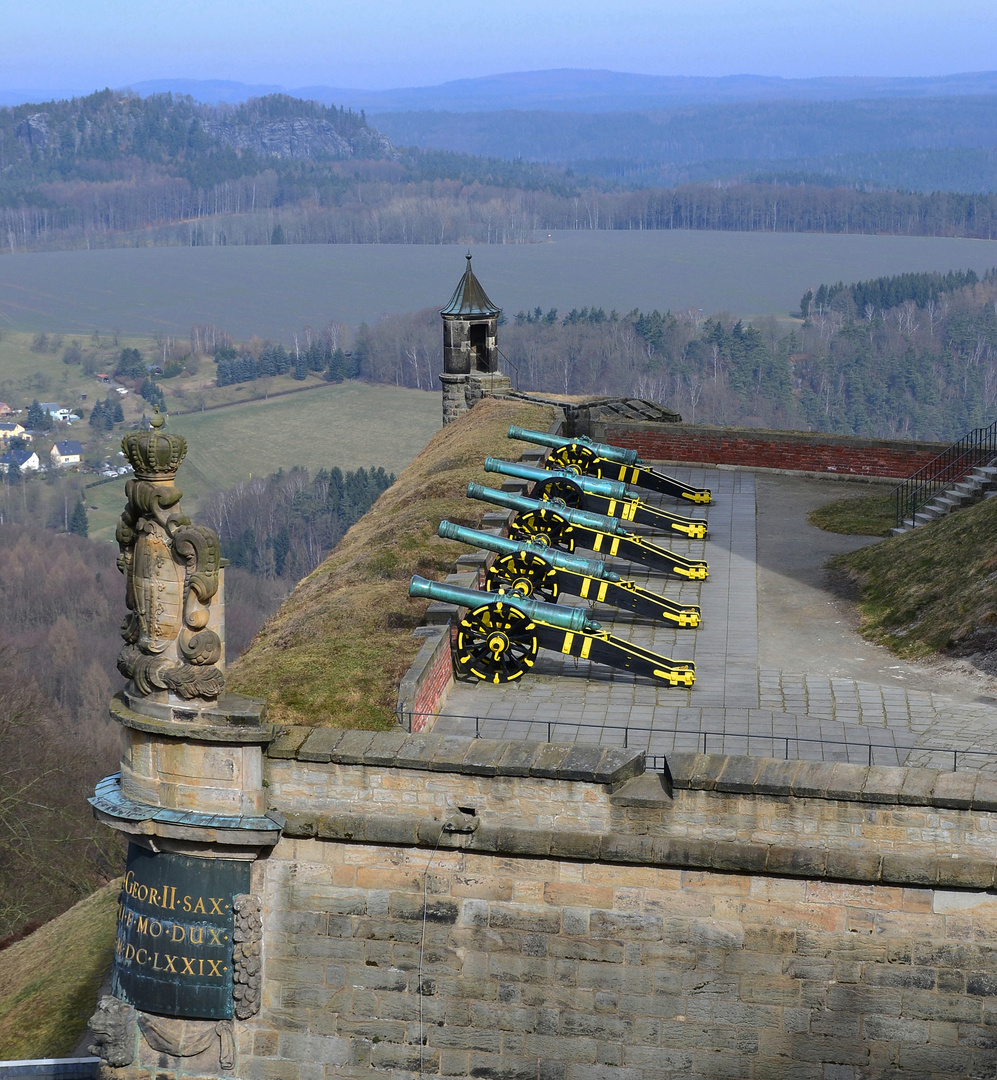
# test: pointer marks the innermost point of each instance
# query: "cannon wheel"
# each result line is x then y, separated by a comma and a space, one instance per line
525, 572
559, 491
496, 642
577, 458
544, 526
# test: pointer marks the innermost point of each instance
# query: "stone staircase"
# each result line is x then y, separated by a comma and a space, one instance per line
979, 483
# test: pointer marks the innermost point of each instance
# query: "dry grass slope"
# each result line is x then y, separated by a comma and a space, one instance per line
934, 588
49, 981
338, 648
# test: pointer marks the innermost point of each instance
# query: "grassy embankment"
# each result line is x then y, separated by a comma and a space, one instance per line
932, 589
50, 980
336, 651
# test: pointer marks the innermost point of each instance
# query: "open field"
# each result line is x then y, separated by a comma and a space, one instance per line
346, 424
274, 291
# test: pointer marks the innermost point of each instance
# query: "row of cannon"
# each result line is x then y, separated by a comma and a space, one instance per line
582, 498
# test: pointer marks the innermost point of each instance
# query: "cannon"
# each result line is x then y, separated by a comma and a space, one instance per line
499, 637
564, 528
535, 570
609, 497
579, 454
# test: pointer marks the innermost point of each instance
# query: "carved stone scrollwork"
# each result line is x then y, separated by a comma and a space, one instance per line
187, 1038
173, 573
247, 956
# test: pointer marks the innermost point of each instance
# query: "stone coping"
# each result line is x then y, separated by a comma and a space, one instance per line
233, 719
881, 784
584, 762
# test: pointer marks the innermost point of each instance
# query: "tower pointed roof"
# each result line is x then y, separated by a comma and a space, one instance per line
469, 298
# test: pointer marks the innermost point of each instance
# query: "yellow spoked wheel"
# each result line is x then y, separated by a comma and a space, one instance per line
576, 458
525, 573
496, 642
534, 525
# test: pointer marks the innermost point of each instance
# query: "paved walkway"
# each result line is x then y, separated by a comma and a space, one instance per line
736, 705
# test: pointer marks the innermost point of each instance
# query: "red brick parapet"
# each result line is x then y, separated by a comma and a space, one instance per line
806, 451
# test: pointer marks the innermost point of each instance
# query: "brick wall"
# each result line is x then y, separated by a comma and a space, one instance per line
806, 451
428, 681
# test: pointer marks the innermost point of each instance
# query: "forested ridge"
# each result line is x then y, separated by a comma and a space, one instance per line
118, 170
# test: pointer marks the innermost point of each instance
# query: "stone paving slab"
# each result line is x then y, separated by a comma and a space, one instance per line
738, 707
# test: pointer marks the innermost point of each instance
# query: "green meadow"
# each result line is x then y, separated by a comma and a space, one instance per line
274, 291
347, 425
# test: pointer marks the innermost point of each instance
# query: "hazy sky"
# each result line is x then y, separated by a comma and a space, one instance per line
372, 44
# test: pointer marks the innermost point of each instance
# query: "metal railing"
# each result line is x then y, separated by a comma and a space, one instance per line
979, 447
704, 738
514, 366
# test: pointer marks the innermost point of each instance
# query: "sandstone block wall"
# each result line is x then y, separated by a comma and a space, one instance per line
458, 907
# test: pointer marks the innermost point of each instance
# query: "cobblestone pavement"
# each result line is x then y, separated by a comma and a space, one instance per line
736, 705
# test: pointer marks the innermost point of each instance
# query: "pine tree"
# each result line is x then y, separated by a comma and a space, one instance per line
78, 522
38, 418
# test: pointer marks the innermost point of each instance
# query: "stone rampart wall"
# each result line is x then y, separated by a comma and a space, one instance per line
463, 907
786, 450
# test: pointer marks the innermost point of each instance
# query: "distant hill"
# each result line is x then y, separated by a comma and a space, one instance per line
577, 90
60, 138
883, 139
117, 169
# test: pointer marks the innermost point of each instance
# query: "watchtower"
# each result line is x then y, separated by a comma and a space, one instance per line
470, 347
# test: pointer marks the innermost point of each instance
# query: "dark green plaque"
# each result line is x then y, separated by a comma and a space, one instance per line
173, 954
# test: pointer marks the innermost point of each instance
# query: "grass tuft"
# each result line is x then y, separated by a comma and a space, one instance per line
337, 650
49, 981
863, 515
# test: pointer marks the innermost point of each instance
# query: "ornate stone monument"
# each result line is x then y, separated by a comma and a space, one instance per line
190, 797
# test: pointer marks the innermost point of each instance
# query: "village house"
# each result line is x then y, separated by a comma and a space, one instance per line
6, 410
22, 461
65, 453
11, 429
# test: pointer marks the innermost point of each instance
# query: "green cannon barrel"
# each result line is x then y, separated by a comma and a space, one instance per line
597, 522
503, 546
563, 618
603, 450
593, 485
